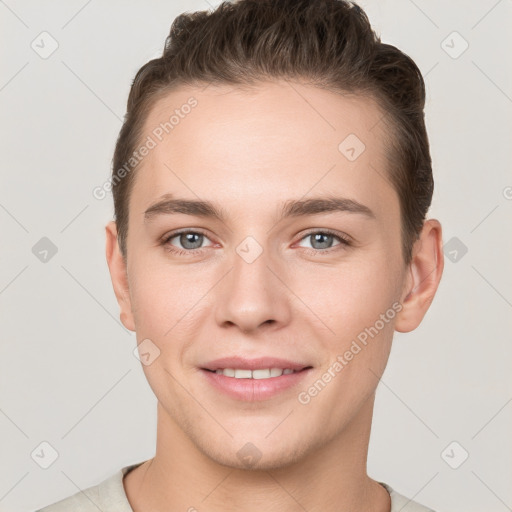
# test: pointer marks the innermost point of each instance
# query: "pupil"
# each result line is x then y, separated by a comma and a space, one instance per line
318, 237
188, 238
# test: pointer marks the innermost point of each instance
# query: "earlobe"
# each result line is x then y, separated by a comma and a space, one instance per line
119, 276
424, 275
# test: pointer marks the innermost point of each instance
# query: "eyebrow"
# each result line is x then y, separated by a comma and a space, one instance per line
168, 205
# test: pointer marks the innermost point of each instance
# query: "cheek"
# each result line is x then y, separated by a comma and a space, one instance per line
350, 297
159, 293
152, 301
166, 306
358, 303
169, 305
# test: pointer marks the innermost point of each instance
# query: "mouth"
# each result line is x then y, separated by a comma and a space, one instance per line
254, 379
258, 374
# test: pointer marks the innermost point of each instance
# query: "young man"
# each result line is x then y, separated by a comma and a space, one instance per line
271, 182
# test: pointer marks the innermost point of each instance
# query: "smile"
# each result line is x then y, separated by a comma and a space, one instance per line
265, 373
243, 384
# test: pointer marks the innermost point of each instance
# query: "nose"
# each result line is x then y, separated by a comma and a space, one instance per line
253, 295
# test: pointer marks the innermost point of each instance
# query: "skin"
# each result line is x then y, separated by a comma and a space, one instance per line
249, 152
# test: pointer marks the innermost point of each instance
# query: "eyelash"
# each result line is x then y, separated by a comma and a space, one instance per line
343, 239
344, 242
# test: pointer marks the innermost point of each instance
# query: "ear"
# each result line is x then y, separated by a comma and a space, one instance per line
423, 277
118, 274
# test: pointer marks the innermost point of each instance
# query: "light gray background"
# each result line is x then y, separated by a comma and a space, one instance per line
67, 372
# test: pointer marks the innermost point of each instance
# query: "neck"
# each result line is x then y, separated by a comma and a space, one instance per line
329, 478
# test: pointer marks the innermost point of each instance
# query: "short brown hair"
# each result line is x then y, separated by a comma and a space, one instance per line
326, 43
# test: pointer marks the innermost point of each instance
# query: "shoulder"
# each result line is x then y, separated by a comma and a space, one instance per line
400, 503
108, 495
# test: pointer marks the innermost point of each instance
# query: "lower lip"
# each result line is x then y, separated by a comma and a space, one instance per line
251, 390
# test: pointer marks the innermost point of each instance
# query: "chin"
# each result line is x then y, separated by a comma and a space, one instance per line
252, 454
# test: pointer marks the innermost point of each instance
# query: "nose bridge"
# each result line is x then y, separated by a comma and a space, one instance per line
251, 294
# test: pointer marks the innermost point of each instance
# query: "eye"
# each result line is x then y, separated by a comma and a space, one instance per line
321, 241
190, 241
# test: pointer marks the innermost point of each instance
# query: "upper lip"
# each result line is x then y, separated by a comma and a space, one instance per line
259, 363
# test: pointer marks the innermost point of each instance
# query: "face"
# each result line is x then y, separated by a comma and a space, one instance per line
296, 257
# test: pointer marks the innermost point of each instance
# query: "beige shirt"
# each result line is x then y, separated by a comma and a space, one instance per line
109, 496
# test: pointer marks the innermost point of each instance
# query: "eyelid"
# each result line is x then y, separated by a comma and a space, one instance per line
172, 234
169, 236
344, 240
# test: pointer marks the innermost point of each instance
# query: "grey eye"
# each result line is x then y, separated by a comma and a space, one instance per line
323, 240
191, 240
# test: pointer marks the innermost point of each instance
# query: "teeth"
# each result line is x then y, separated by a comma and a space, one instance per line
266, 373
254, 374
243, 374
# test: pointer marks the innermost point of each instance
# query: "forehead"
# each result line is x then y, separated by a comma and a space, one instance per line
276, 140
